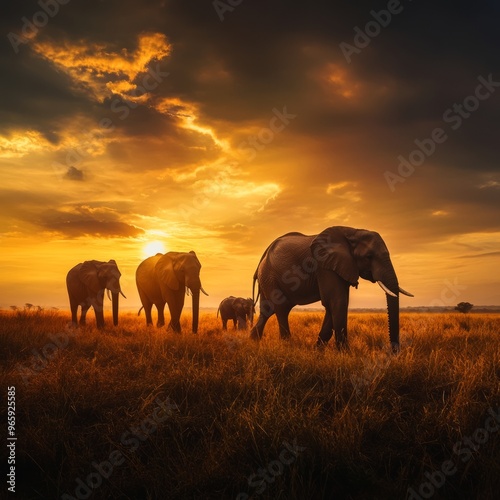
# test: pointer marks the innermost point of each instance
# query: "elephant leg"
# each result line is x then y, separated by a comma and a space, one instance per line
147, 304
224, 324
83, 315
234, 323
74, 313
334, 292
175, 316
341, 334
99, 309
326, 332
266, 311
99, 317
339, 321
147, 312
282, 312
161, 315
175, 325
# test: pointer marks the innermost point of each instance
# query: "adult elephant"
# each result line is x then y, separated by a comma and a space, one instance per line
299, 269
162, 279
238, 309
86, 283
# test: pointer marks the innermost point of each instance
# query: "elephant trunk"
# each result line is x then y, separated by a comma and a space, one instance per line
387, 279
196, 308
393, 313
115, 299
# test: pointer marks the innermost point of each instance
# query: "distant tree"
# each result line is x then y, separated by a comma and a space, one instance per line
39, 308
14, 308
28, 306
464, 307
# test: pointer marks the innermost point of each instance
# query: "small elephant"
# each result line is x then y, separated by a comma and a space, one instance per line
86, 283
299, 269
163, 279
238, 309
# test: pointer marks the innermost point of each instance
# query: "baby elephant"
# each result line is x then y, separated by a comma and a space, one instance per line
238, 309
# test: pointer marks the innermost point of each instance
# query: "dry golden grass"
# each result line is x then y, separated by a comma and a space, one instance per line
367, 424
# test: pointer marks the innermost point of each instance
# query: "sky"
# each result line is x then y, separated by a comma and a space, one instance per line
128, 128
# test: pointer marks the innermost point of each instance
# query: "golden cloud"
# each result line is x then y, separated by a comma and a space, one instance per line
344, 190
101, 70
340, 82
187, 115
21, 143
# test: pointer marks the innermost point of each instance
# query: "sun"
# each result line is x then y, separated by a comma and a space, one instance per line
152, 248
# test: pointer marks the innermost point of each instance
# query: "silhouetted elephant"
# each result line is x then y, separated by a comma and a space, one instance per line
86, 283
238, 309
299, 269
163, 279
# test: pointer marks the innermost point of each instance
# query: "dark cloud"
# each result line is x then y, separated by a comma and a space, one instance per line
481, 256
274, 54
95, 228
49, 213
79, 221
73, 174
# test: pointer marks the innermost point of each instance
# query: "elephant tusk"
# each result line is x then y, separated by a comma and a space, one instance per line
386, 290
187, 291
404, 292
201, 288
123, 295
107, 292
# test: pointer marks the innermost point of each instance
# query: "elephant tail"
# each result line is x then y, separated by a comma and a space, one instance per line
255, 299
139, 313
218, 309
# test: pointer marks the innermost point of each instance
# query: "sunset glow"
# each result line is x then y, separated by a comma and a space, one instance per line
152, 248
161, 130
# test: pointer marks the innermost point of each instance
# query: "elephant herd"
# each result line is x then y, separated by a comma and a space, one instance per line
295, 269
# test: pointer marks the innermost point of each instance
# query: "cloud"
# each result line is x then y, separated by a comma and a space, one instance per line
76, 221
481, 255
101, 70
73, 174
94, 228
21, 143
170, 161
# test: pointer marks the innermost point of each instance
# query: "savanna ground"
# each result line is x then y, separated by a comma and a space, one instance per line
253, 420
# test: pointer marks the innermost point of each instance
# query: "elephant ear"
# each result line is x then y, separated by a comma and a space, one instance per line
88, 275
192, 252
166, 273
111, 269
332, 250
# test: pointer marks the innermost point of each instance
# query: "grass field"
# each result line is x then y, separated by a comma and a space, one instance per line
134, 412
